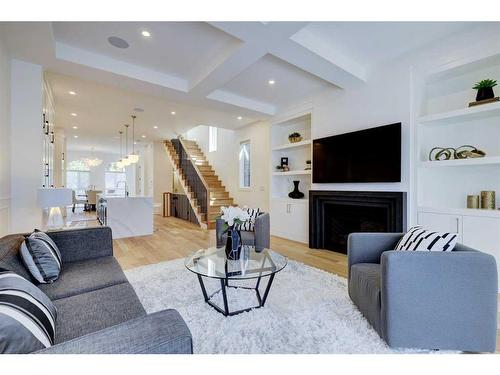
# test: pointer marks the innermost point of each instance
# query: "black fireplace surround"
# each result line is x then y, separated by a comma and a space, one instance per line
333, 215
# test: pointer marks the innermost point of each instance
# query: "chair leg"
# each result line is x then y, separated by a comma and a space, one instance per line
73, 209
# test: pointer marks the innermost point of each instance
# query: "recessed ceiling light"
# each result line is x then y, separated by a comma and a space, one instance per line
118, 42
74, 114
75, 127
72, 92
240, 118
146, 33
156, 127
143, 136
173, 112
75, 136
271, 81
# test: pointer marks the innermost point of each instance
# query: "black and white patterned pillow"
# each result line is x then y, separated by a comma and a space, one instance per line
27, 315
420, 239
249, 225
42, 257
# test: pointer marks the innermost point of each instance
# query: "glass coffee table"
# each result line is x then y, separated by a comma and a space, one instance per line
253, 263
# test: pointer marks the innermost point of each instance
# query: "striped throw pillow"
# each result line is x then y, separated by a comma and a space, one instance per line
249, 225
27, 315
420, 239
42, 257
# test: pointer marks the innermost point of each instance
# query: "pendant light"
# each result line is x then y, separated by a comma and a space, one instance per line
119, 163
126, 161
133, 157
93, 161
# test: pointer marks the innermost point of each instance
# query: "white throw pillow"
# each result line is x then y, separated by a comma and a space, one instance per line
420, 239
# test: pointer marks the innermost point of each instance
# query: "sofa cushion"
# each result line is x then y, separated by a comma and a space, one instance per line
84, 276
364, 290
9, 255
90, 312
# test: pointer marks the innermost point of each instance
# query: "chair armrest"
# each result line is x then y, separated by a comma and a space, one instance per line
83, 244
262, 231
163, 332
368, 247
219, 231
439, 300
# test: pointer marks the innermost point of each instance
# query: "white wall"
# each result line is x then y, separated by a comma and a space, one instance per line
162, 173
26, 145
225, 161
4, 140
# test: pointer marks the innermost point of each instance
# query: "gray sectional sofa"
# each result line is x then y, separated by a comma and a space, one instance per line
98, 310
424, 299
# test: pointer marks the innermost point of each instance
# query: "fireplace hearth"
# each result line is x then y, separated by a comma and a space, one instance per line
333, 215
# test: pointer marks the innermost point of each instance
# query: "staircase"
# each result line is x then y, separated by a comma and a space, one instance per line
202, 186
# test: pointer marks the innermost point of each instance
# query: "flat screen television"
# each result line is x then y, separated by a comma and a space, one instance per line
370, 155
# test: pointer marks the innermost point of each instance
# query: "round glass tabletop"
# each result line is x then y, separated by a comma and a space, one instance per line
253, 263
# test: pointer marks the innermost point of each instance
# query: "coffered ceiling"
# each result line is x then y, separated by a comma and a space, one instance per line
213, 72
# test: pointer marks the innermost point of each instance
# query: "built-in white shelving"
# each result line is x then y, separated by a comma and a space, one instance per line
292, 173
461, 211
479, 112
304, 143
490, 160
290, 217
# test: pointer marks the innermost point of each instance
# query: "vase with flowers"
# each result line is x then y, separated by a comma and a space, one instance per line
233, 217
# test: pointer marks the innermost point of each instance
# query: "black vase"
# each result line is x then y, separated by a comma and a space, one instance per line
233, 244
484, 93
296, 193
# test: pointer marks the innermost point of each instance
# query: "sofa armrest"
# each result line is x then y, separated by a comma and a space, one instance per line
163, 332
439, 300
262, 231
82, 244
368, 247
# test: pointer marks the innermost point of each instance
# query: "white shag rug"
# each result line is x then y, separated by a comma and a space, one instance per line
307, 311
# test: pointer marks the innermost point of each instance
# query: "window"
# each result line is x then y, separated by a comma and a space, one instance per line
115, 180
78, 176
244, 157
212, 139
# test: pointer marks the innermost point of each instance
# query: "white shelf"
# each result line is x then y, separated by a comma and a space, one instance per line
471, 113
292, 173
491, 160
304, 143
460, 211
290, 200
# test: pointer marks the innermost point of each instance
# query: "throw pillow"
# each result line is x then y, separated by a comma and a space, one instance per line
27, 315
42, 257
249, 225
420, 239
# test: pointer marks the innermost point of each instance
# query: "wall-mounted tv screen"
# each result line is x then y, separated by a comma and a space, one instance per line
370, 155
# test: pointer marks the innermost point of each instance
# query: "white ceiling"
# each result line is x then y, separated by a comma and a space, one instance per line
212, 72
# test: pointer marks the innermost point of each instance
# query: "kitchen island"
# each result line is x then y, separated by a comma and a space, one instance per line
126, 216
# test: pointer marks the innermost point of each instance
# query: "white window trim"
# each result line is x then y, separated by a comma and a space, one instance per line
212, 139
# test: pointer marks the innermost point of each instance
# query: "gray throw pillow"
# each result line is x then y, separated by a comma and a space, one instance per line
42, 257
27, 315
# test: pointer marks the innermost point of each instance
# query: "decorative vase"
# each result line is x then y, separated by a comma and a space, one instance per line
296, 193
472, 201
233, 244
488, 200
484, 93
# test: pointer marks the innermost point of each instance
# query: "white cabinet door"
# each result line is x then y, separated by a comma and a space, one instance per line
299, 222
290, 220
441, 222
483, 234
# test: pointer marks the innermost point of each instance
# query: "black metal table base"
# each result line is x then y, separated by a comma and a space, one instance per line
224, 285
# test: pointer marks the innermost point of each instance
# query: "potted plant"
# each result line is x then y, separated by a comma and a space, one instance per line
485, 89
233, 216
294, 137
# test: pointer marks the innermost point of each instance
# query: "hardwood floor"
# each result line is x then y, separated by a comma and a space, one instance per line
175, 238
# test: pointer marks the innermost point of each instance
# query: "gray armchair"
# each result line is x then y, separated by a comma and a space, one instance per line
261, 237
428, 300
